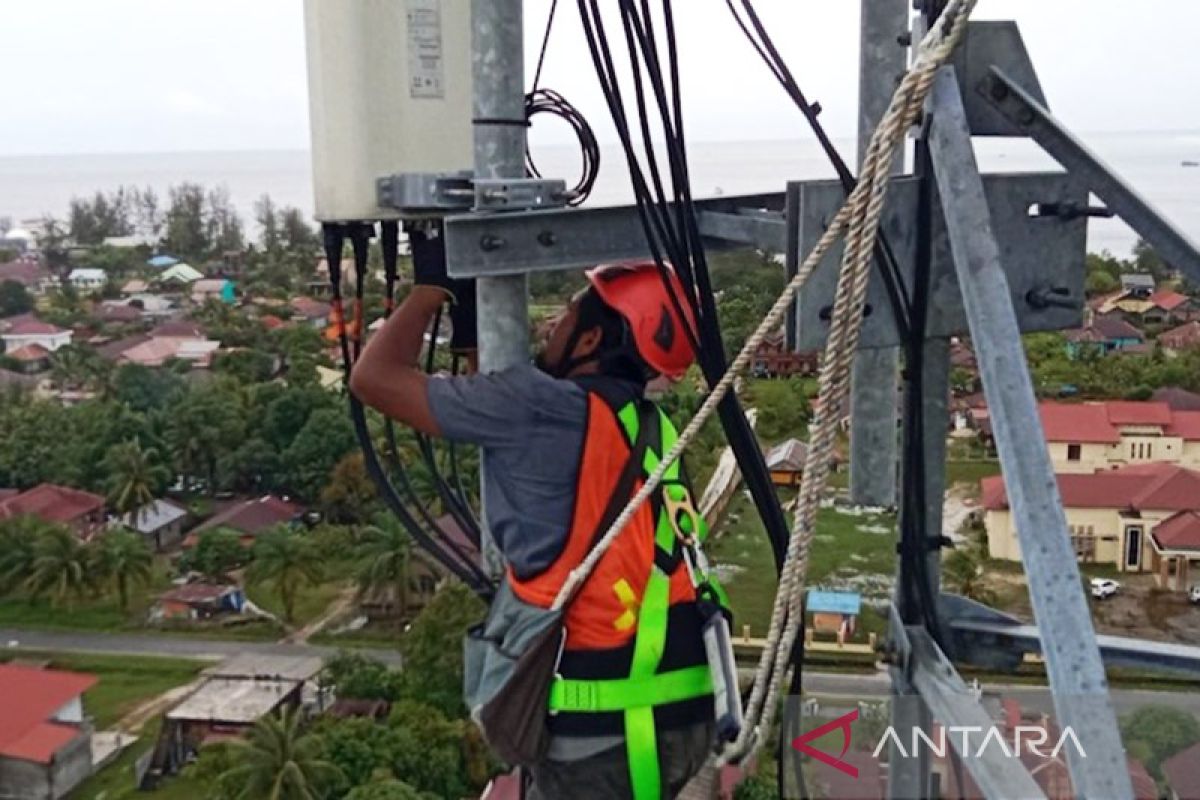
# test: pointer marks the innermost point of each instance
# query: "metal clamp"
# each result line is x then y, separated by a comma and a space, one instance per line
460, 191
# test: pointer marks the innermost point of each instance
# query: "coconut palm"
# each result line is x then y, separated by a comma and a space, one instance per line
122, 557
135, 476
279, 761
288, 560
18, 537
61, 566
383, 556
69, 367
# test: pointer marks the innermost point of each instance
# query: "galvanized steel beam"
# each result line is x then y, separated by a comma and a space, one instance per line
1076, 673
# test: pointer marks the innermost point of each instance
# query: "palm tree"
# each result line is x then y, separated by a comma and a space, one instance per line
18, 537
962, 571
135, 475
121, 556
278, 761
287, 560
383, 556
61, 566
69, 367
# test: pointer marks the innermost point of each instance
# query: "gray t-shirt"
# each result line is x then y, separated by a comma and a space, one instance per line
530, 427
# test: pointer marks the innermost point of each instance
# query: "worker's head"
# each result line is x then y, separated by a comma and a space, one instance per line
624, 324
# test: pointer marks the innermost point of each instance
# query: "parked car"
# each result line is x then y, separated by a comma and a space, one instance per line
1104, 587
1194, 594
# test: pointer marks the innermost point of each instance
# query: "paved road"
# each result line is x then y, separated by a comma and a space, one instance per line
839, 686
145, 644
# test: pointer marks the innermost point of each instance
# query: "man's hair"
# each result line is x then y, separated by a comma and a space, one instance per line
617, 353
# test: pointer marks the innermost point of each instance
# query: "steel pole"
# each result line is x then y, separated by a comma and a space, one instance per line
873, 433
498, 75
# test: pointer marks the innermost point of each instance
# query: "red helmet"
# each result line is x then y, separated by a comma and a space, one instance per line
635, 290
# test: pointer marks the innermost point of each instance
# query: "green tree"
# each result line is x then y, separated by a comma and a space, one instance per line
61, 567
324, 440
432, 648
268, 223
287, 560
186, 229
72, 366
388, 790
136, 476
143, 388
18, 540
278, 760
349, 496
384, 556
1159, 732
353, 674
122, 558
245, 366
1100, 282
962, 571
14, 299
217, 553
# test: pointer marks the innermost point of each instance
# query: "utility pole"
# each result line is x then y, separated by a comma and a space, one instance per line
875, 377
498, 75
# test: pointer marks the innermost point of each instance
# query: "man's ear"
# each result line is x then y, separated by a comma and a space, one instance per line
588, 342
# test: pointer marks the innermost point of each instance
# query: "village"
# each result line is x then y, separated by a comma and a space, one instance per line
175, 427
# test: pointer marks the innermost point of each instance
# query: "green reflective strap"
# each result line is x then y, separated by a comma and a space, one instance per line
641, 748
641, 740
623, 694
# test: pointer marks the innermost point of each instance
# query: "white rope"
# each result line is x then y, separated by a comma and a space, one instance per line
859, 219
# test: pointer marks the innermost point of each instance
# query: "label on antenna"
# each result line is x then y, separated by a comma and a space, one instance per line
426, 72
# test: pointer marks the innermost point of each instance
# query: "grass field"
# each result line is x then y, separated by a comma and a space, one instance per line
310, 600
849, 551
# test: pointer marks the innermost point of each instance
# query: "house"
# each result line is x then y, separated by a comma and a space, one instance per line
233, 696
1169, 307
1176, 557
87, 279
1086, 437
135, 286
81, 511
773, 359
179, 329
314, 312
155, 352
785, 461
1181, 772
1138, 283
26, 329
1113, 516
834, 612
45, 740
249, 518
199, 601
1184, 337
116, 311
160, 523
153, 305
1103, 334
18, 239
162, 261
28, 272
131, 241
29, 359
1178, 399
218, 289
180, 274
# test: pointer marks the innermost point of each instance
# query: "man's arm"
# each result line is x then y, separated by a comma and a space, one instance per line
388, 376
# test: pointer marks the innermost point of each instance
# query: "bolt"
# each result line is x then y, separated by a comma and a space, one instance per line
904, 39
547, 239
999, 89
489, 243
1026, 117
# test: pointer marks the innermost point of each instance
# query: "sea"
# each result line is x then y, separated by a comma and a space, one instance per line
33, 187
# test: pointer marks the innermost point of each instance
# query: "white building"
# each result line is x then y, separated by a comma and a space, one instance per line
27, 329
88, 279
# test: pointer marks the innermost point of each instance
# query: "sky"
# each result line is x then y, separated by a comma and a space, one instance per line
81, 76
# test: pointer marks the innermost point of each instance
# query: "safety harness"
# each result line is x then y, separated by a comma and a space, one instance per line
679, 528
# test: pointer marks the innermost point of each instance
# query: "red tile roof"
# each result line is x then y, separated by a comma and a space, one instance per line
252, 517
1185, 336
1077, 422
1167, 300
1179, 532
1114, 326
1182, 772
1185, 424
52, 503
31, 698
1126, 412
28, 352
310, 309
178, 329
27, 273
29, 325
1149, 487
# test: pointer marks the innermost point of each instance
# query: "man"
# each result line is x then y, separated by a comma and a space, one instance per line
556, 438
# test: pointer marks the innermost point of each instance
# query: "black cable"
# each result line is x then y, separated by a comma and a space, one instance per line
463, 568
537, 73
548, 101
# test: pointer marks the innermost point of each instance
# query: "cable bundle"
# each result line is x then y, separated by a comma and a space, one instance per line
548, 101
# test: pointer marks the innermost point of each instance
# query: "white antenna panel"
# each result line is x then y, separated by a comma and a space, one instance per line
389, 90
